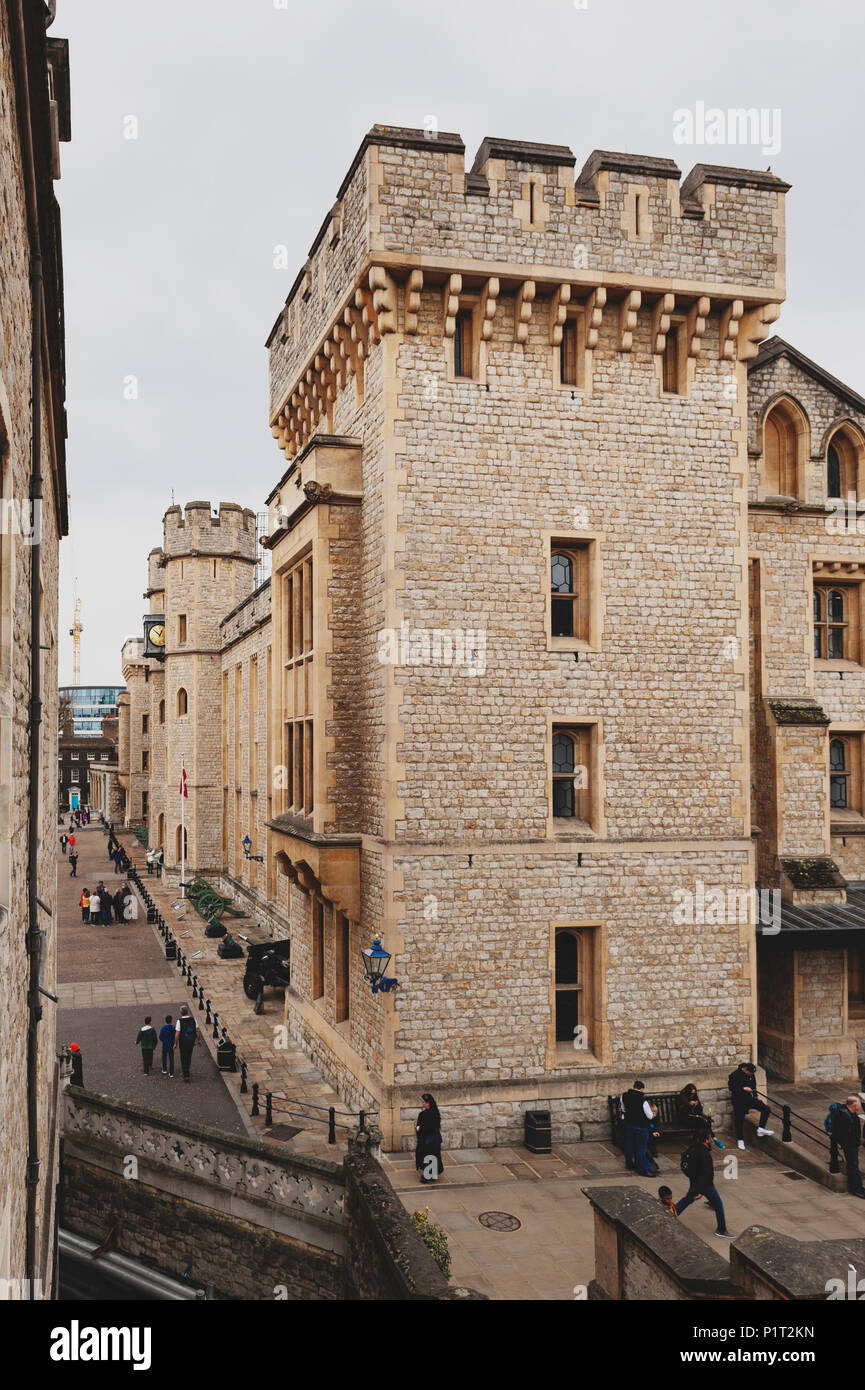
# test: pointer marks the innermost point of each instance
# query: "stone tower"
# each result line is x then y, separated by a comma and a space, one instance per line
204, 569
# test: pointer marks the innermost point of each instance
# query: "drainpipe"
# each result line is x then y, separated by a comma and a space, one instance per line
34, 934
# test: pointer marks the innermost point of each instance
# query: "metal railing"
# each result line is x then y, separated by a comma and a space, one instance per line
347, 1120
792, 1121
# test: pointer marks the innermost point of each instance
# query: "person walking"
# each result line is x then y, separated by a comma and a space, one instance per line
743, 1091
847, 1132
428, 1147
167, 1037
64, 841
147, 1041
699, 1169
187, 1035
637, 1114
148, 859
653, 1135
73, 863
84, 904
77, 1075
116, 858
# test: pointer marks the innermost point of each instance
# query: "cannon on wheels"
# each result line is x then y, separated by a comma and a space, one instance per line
267, 965
210, 905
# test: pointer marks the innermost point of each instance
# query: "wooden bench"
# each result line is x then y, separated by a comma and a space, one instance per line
668, 1123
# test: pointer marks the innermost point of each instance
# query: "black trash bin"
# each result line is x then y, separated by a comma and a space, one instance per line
539, 1134
171, 949
226, 1056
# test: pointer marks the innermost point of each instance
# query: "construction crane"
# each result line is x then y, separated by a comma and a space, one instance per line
75, 633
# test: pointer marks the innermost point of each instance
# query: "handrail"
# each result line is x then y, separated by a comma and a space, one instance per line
788, 1114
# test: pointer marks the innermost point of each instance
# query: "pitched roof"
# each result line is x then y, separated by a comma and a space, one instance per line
777, 347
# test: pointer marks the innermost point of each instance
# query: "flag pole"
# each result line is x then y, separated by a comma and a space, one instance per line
182, 832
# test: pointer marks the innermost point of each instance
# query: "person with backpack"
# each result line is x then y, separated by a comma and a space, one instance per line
637, 1114
167, 1037
188, 1035
699, 1169
147, 1041
844, 1123
743, 1092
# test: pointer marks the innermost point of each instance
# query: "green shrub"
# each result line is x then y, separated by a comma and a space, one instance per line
434, 1238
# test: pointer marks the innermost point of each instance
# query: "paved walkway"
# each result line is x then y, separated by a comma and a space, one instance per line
109, 979
272, 1058
811, 1101
552, 1253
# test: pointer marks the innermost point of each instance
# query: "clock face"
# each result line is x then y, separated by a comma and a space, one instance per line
156, 635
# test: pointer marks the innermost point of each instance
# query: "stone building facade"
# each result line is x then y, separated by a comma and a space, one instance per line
493, 706
34, 118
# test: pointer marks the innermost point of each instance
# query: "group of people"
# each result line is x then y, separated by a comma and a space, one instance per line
155, 860
98, 905
642, 1133
184, 1035
117, 854
845, 1126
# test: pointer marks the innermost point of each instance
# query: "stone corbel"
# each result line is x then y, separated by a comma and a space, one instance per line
453, 289
697, 315
383, 299
730, 320
489, 301
354, 322
523, 310
754, 327
594, 315
628, 310
336, 360
558, 313
414, 285
364, 303
661, 322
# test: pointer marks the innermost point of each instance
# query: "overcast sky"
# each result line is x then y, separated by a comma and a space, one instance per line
248, 114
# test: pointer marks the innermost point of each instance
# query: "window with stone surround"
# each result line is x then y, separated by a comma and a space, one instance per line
571, 755
844, 460
162, 711
836, 621
297, 694
182, 702
569, 589
785, 445
145, 760
674, 359
181, 629
342, 966
573, 985
464, 335
145, 723
845, 774
572, 351
318, 929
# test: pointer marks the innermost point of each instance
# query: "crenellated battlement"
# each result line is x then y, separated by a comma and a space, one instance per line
198, 531
411, 221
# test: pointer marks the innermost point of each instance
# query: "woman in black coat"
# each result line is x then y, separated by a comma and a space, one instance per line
429, 1140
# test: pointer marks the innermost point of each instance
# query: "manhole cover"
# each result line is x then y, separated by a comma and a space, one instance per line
794, 1177
283, 1132
499, 1221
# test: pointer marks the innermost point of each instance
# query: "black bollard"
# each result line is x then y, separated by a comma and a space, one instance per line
254, 1110
243, 1086
268, 1112
331, 1126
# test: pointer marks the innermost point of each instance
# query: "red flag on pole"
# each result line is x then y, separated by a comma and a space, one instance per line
183, 791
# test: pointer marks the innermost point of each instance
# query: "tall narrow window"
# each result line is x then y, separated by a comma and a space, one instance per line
182, 702
671, 362
842, 464
162, 711
570, 758
317, 948
181, 629
342, 963
839, 774
569, 589
569, 984
568, 353
463, 344
782, 432
145, 723
836, 622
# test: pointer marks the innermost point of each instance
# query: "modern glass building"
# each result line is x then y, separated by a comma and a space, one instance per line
90, 704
